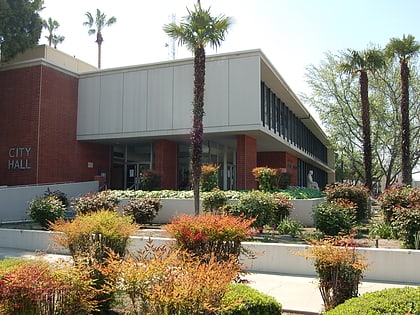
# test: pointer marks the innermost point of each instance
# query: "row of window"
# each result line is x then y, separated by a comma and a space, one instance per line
278, 117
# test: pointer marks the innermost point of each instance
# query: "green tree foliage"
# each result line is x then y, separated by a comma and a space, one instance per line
404, 49
51, 26
336, 98
198, 29
361, 63
20, 26
96, 25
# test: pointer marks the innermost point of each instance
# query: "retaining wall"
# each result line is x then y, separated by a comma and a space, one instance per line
388, 265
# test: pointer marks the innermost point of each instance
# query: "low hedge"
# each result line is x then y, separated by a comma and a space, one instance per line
388, 301
253, 302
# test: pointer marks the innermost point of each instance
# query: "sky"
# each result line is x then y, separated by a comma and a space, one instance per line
293, 34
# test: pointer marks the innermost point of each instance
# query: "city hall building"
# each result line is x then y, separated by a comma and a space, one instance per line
63, 120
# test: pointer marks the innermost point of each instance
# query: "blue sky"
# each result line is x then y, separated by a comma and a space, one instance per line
293, 34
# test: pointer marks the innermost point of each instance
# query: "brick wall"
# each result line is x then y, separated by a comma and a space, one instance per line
280, 160
246, 160
38, 112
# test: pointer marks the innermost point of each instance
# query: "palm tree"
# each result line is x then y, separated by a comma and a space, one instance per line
99, 22
361, 63
404, 49
51, 26
57, 39
198, 29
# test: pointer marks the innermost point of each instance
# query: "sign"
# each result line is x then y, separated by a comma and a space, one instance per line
19, 158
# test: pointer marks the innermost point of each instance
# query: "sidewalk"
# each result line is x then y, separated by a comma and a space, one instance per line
296, 293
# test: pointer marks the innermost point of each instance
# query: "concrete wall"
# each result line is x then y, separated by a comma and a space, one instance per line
389, 265
14, 201
156, 99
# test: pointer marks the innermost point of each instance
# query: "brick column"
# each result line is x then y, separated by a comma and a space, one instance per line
246, 160
166, 162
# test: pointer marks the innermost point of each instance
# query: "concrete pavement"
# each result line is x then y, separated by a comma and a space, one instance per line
298, 294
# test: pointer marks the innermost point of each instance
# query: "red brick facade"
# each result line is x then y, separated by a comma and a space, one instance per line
246, 161
280, 160
38, 119
166, 161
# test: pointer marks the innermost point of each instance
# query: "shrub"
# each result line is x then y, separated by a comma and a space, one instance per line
281, 210
397, 197
257, 205
357, 194
215, 200
59, 195
91, 237
149, 180
332, 218
266, 178
406, 224
41, 288
241, 299
209, 177
290, 227
210, 234
381, 230
339, 268
158, 281
92, 202
387, 301
45, 210
143, 210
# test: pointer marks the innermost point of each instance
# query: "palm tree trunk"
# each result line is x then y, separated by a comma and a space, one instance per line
367, 146
197, 129
405, 125
99, 40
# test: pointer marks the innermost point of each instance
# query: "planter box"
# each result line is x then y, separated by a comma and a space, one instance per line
388, 265
302, 212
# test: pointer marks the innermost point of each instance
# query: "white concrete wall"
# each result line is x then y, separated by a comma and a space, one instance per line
389, 265
156, 99
14, 201
303, 210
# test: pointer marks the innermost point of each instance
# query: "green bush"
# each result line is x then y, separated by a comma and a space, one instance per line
91, 202
290, 227
332, 218
143, 210
255, 204
388, 301
214, 200
381, 230
397, 197
252, 302
45, 210
209, 177
406, 224
271, 179
281, 210
59, 195
357, 194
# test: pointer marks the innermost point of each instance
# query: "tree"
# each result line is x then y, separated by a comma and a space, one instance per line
335, 96
361, 63
198, 29
51, 26
20, 26
404, 49
99, 22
